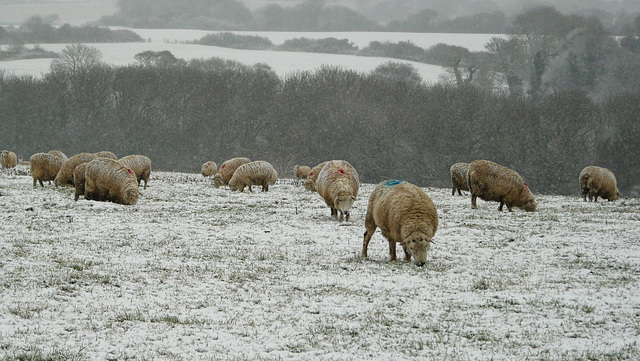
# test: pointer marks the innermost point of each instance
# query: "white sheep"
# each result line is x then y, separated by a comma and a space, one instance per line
338, 185
226, 171
459, 177
8, 159
598, 182
208, 169
44, 167
493, 182
259, 173
109, 180
406, 215
141, 166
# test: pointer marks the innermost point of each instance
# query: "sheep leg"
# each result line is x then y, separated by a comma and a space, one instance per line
392, 250
500, 207
347, 215
459, 192
341, 218
453, 192
334, 213
35, 183
367, 237
473, 201
407, 255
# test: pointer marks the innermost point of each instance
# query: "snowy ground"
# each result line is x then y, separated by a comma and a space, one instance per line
192, 272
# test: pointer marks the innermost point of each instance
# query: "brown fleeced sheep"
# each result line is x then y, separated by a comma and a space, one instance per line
338, 185
109, 180
459, 177
208, 169
58, 154
79, 180
106, 154
141, 166
44, 167
301, 171
493, 182
8, 159
406, 215
227, 169
312, 177
598, 182
259, 173
65, 175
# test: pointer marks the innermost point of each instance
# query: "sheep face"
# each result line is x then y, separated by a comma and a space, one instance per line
131, 196
310, 185
344, 201
217, 180
417, 246
530, 206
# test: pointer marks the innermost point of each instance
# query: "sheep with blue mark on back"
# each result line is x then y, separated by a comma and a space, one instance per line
406, 215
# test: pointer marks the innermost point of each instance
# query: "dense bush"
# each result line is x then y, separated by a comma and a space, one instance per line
385, 125
235, 41
327, 45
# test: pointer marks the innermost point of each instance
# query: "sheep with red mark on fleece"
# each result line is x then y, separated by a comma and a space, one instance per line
338, 185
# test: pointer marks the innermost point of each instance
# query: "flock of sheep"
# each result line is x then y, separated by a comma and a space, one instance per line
405, 214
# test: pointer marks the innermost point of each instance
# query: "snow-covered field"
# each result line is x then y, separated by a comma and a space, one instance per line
192, 272
282, 63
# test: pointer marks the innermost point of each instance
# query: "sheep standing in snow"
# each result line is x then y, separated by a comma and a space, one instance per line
493, 182
109, 180
58, 154
8, 159
259, 173
65, 175
459, 177
79, 180
141, 166
312, 177
208, 169
338, 185
406, 215
598, 182
226, 171
301, 172
44, 167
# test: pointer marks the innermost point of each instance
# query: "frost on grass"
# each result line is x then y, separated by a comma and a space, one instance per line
194, 272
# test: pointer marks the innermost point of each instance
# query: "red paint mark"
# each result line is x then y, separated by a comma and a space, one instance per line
129, 171
341, 171
310, 174
224, 165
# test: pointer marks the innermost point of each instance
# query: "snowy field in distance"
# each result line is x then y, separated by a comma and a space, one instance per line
193, 272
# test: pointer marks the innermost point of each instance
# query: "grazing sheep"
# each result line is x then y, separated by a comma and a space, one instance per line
259, 173
65, 175
405, 215
8, 159
301, 171
338, 185
459, 177
141, 166
79, 180
58, 154
209, 168
106, 154
312, 177
598, 182
226, 171
493, 182
45, 167
109, 180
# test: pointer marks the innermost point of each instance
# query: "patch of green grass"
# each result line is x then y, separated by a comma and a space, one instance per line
33, 354
25, 311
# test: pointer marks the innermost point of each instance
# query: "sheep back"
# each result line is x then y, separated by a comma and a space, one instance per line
209, 168
45, 167
259, 173
405, 214
312, 177
459, 177
79, 180
65, 175
8, 159
141, 166
58, 154
301, 171
109, 180
227, 169
106, 154
493, 182
598, 182
338, 185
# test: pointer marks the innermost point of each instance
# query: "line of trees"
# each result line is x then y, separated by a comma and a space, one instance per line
387, 123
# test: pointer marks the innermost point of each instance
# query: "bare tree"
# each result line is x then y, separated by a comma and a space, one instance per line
76, 59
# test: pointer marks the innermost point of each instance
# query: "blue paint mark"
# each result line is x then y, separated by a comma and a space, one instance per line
390, 183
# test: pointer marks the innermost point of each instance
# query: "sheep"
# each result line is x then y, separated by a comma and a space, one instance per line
598, 182
459, 177
301, 172
79, 180
312, 177
44, 167
65, 175
106, 154
109, 180
208, 169
8, 159
493, 182
58, 154
338, 185
406, 215
141, 166
226, 171
259, 173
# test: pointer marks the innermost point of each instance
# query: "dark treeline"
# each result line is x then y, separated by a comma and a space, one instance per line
386, 126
